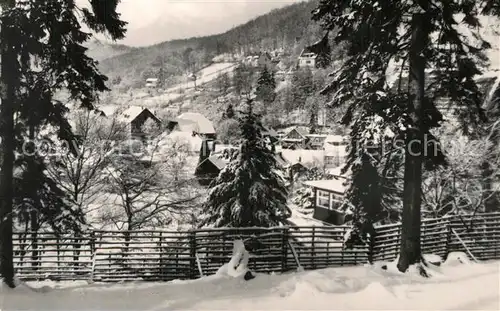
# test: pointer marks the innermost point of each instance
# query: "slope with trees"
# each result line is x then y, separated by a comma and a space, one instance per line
289, 28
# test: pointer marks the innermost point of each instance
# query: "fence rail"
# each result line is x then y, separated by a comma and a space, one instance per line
167, 255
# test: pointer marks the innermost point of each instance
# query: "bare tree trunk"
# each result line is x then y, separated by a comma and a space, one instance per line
410, 251
489, 198
9, 79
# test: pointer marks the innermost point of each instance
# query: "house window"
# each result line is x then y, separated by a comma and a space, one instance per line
308, 61
323, 199
330, 160
335, 201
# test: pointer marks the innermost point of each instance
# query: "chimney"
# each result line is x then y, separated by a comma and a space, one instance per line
204, 151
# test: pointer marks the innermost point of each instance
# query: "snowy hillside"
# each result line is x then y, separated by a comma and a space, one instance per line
453, 286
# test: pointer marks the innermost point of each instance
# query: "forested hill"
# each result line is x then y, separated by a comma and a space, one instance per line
289, 28
101, 50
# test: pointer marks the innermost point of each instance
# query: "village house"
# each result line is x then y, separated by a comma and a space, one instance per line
107, 110
328, 196
259, 60
315, 141
314, 56
298, 137
135, 117
211, 164
295, 138
194, 123
307, 58
151, 82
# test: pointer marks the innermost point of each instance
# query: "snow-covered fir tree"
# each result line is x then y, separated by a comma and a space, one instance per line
229, 113
249, 191
266, 86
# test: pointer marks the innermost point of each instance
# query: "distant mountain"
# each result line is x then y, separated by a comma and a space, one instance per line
99, 50
289, 28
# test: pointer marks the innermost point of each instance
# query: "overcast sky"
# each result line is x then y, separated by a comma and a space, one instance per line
153, 21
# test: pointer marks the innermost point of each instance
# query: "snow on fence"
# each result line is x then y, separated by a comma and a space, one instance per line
167, 255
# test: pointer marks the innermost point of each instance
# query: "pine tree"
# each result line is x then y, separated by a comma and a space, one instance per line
380, 33
248, 191
242, 80
229, 113
161, 74
53, 43
237, 80
266, 86
223, 83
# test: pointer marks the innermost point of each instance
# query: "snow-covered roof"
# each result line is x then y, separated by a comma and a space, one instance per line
308, 55
302, 130
219, 162
221, 147
317, 136
129, 114
186, 139
269, 131
186, 126
203, 125
337, 171
108, 110
334, 139
332, 185
304, 157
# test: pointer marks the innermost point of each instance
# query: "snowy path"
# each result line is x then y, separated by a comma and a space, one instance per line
465, 287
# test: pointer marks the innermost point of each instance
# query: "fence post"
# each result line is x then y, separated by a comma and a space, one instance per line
76, 249
58, 250
448, 238
160, 250
192, 254
284, 250
371, 246
313, 248
92, 254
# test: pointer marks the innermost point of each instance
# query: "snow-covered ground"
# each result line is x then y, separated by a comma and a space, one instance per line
453, 286
205, 75
303, 220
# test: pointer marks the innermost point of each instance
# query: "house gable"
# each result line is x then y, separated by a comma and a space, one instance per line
294, 134
137, 122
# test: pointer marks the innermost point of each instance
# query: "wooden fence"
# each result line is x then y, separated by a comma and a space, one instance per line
166, 255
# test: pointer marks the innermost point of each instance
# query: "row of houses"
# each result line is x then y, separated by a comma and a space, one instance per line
299, 137
308, 58
134, 118
327, 194
211, 158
